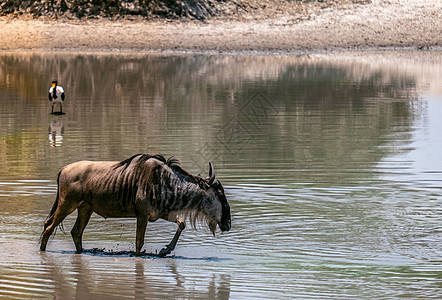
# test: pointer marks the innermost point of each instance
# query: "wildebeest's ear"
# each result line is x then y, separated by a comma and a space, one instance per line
211, 174
202, 183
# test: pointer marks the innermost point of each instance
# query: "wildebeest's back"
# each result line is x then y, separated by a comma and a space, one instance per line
108, 191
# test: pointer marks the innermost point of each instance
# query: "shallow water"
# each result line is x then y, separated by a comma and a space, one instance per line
330, 164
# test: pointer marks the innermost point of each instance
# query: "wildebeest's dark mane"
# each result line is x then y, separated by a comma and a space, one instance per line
173, 163
142, 158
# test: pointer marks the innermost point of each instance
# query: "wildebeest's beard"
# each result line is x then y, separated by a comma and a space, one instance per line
213, 210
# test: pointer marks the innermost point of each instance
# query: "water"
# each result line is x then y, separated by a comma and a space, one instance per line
330, 164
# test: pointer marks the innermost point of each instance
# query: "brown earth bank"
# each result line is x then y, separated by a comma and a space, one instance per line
237, 26
164, 9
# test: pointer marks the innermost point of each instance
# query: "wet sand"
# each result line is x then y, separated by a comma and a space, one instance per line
381, 24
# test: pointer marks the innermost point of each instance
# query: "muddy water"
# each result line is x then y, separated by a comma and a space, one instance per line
330, 162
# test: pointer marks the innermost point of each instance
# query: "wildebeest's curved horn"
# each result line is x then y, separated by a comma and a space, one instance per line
211, 174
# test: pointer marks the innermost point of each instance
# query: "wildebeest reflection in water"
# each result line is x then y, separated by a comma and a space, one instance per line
147, 187
93, 278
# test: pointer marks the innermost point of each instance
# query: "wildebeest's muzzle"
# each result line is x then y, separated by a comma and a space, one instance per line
225, 223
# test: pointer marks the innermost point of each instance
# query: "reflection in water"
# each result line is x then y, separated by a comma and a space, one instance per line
326, 110
56, 130
86, 277
324, 159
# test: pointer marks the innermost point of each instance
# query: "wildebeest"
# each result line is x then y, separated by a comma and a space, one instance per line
147, 187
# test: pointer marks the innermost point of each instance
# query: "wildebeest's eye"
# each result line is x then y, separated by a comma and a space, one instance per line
215, 185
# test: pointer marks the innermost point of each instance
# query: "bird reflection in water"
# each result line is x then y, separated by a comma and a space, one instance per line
56, 130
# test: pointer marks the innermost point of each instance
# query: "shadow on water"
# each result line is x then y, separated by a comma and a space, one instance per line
102, 252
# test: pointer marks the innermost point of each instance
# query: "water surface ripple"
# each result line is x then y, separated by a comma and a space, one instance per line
330, 164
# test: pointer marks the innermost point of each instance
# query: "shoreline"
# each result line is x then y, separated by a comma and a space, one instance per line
380, 25
134, 52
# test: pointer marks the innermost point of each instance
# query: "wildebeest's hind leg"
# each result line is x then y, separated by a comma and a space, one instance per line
61, 212
169, 248
84, 214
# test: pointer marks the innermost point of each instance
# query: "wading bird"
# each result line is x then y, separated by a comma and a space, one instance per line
56, 95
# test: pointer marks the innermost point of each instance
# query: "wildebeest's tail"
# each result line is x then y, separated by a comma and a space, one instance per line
54, 206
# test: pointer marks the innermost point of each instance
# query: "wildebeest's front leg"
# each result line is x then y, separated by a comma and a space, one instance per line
141, 230
169, 248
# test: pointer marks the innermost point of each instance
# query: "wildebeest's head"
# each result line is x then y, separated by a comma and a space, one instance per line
219, 212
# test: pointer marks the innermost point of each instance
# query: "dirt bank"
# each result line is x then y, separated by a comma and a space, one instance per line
381, 23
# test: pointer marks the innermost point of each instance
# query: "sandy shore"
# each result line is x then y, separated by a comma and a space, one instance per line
382, 23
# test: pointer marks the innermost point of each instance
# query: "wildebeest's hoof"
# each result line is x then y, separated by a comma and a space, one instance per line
164, 251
